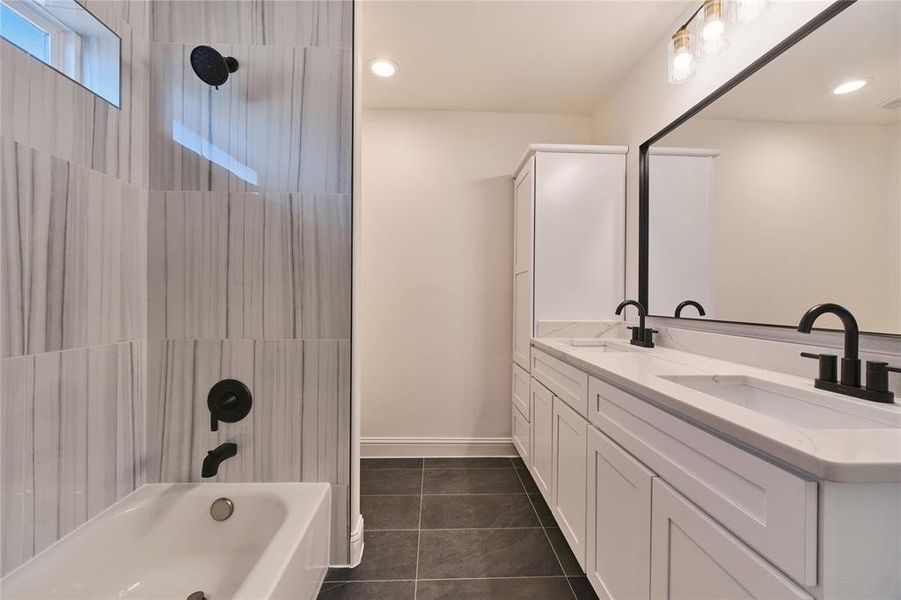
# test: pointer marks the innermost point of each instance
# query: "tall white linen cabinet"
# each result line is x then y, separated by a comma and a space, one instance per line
569, 236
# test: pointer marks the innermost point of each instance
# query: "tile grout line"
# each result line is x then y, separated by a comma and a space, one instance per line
419, 531
544, 529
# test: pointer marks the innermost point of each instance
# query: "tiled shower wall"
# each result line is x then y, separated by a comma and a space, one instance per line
250, 242
135, 272
73, 231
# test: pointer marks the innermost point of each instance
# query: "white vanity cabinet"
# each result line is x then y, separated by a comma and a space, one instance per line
568, 202
693, 557
541, 460
570, 445
618, 528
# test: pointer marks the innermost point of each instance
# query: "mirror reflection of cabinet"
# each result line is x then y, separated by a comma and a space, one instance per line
679, 262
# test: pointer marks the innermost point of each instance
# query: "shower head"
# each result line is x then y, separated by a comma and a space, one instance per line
211, 66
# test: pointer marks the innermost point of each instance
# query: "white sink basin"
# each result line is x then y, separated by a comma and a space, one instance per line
798, 407
595, 344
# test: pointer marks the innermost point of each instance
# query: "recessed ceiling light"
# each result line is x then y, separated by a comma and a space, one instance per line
849, 86
382, 67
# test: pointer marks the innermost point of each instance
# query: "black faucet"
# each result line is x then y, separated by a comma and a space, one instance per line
214, 458
641, 335
685, 303
849, 385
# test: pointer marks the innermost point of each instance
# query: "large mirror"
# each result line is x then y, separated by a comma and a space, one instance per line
785, 191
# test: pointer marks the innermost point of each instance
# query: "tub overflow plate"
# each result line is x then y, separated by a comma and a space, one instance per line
220, 510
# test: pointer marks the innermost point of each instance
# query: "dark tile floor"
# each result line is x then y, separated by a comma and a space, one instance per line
457, 528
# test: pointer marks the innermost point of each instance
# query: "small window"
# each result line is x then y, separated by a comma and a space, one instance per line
24, 34
66, 36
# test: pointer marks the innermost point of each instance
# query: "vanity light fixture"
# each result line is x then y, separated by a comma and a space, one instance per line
706, 33
681, 60
713, 27
748, 10
382, 67
849, 86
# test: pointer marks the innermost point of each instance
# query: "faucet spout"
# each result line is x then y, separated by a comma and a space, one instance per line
851, 358
216, 457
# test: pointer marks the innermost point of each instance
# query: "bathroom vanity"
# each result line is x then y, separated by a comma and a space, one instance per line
680, 476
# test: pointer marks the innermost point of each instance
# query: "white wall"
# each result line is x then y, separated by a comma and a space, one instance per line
644, 102
436, 295
806, 210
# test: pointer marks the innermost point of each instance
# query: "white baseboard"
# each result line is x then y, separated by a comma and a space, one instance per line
403, 447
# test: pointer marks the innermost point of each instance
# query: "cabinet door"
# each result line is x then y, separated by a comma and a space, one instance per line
521, 390
521, 436
693, 557
522, 318
570, 475
618, 533
523, 195
523, 315
542, 438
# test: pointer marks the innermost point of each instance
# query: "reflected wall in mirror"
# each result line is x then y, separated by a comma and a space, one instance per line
783, 192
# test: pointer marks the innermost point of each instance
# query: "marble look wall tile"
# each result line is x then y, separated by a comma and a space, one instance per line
281, 123
46, 110
262, 22
72, 441
297, 430
73, 255
244, 265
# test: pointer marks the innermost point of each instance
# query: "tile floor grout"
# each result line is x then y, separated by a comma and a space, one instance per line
544, 529
419, 529
419, 534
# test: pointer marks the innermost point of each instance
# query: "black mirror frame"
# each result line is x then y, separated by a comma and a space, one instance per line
644, 171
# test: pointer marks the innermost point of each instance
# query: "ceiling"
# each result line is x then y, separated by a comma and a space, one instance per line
862, 42
551, 56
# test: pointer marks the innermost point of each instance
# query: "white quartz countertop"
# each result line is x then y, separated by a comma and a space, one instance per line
856, 454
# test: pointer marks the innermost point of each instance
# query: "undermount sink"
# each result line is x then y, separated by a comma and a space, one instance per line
595, 344
798, 407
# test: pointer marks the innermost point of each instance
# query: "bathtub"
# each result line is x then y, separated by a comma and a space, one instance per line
161, 542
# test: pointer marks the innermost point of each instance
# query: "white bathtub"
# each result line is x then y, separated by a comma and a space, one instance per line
161, 542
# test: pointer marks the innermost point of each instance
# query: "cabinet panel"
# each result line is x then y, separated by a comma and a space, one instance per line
522, 318
693, 557
772, 510
618, 532
521, 390
580, 235
521, 435
542, 411
570, 476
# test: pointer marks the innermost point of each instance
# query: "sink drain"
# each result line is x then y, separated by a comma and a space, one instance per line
196, 596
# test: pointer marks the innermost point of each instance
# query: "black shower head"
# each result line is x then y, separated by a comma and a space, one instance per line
212, 67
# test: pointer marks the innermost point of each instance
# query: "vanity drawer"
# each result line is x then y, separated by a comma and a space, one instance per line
521, 436
521, 381
769, 508
566, 382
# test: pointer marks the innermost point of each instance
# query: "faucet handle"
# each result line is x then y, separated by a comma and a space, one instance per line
877, 375
828, 366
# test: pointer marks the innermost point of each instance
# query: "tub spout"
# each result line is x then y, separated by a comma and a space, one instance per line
215, 457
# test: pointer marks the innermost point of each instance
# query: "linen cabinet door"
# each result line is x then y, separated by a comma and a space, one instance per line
618, 536
693, 557
570, 432
542, 410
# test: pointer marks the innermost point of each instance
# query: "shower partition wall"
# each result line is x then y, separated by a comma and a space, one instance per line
192, 236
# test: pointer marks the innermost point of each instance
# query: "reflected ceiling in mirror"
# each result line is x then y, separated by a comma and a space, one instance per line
782, 193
